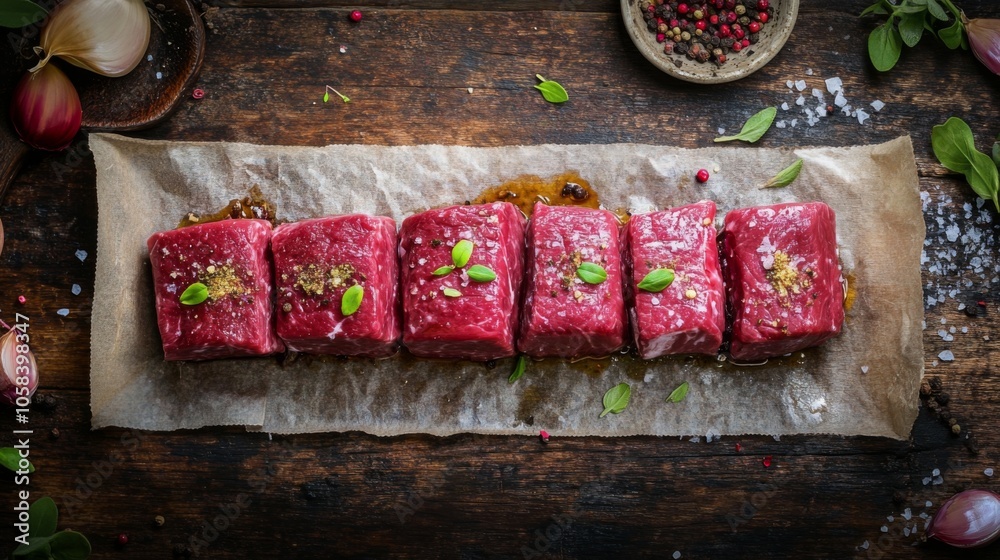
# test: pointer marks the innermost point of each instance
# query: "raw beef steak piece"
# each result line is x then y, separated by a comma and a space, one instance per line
783, 279
451, 315
232, 259
564, 315
315, 262
688, 316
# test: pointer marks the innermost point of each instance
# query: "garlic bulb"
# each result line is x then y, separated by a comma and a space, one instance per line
18, 370
108, 37
45, 109
968, 519
984, 39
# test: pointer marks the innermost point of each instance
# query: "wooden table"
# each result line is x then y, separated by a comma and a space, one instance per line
408, 68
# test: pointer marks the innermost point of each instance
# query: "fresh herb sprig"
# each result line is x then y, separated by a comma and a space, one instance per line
754, 128
907, 21
460, 255
519, 368
616, 399
10, 458
785, 177
45, 542
678, 394
553, 92
955, 147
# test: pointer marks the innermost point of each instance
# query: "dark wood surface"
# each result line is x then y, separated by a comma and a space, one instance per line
227, 494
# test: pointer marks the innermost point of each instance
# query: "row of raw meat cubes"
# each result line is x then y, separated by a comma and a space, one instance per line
579, 275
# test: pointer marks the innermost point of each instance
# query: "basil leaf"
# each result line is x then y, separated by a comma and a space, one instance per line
785, 176
351, 301
911, 8
591, 273
518, 369
553, 92
657, 280
480, 273
20, 13
443, 270
996, 151
954, 146
452, 292
911, 27
936, 10
70, 545
37, 547
875, 8
194, 294
616, 399
43, 517
754, 128
461, 253
10, 458
884, 46
678, 394
953, 35
326, 97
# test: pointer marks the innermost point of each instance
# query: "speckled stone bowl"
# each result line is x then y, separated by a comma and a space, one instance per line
739, 65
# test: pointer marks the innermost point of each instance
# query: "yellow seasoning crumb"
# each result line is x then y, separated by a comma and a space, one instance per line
783, 275
690, 294
578, 295
312, 280
222, 281
706, 222
340, 274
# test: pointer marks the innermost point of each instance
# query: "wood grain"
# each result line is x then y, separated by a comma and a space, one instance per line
407, 71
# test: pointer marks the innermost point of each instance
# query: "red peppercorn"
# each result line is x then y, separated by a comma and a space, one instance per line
660, 21
763, 17
356, 16
767, 461
544, 436
660, 37
651, 8
738, 32
737, 46
122, 538
702, 175
682, 9
713, 19
730, 4
754, 27
763, 5
22, 300
719, 4
739, 447
198, 93
745, 42
724, 31
674, 23
731, 17
700, 24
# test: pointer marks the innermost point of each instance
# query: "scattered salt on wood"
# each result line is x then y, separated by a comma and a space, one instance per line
835, 84
76, 289
63, 312
784, 106
864, 369
677, 554
988, 472
864, 545
946, 356
800, 85
885, 529
81, 254
907, 514
877, 105
862, 116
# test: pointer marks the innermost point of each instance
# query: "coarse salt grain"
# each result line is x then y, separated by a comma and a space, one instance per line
988, 472
677, 554
877, 105
884, 529
833, 85
907, 514
864, 545
790, 84
76, 289
864, 369
800, 85
946, 356
928, 503
149, 57
784, 106
159, 75
63, 312
81, 254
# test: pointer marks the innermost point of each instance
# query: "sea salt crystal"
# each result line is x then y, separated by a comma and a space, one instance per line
952, 233
833, 85
818, 94
790, 84
784, 106
864, 545
794, 122
965, 330
677, 554
63, 312
988, 472
907, 514
890, 518
938, 481
721, 131
809, 71
926, 481
906, 531
864, 369
877, 105
343, 49
884, 529
159, 75
75, 289
81, 254
928, 503
840, 100
801, 101
862, 116
780, 124
946, 356
800, 85
149, 57
471, 90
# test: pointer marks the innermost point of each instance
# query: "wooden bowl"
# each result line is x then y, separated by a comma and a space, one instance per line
739, 65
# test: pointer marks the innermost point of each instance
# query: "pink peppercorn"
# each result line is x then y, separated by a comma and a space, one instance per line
746, 43
713, 19
754, 27
738, 32
719, 4
702, 175
724, 31
763, 17
544, 436
682, 9
660, 37
763, 5
123, 539
22, 300
731, 17
737, 46
356, 16
730, 4
700, 24
198, 93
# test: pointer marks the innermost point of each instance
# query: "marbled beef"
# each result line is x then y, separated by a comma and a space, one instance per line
783, 279
315, 262
232, 259
563, 315
479, 322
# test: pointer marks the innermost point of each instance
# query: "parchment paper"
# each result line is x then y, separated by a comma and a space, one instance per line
864, 382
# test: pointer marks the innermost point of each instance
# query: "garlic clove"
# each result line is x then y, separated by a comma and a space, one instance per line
108, 37
984, 39
968, 519
13, 371
45, 109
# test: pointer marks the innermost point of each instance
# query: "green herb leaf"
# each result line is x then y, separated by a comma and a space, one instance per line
43, 517
326, 96
480, 273
70, 545
754, 128
591, 273
616, 399
953, 35
452, 292
657, 280
446, 269
194, 294
954, 146
678, 394
996, 151
37, 549
884, 46
876, 8
553, 92
518, 369
10, 457
911, 28
785, 177
351, 301
20, 13
936, 10
461, 253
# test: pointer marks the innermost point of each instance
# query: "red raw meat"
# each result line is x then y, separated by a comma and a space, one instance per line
232, 258
688, 316
315, 262
783, 279
479, 324
563, 315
